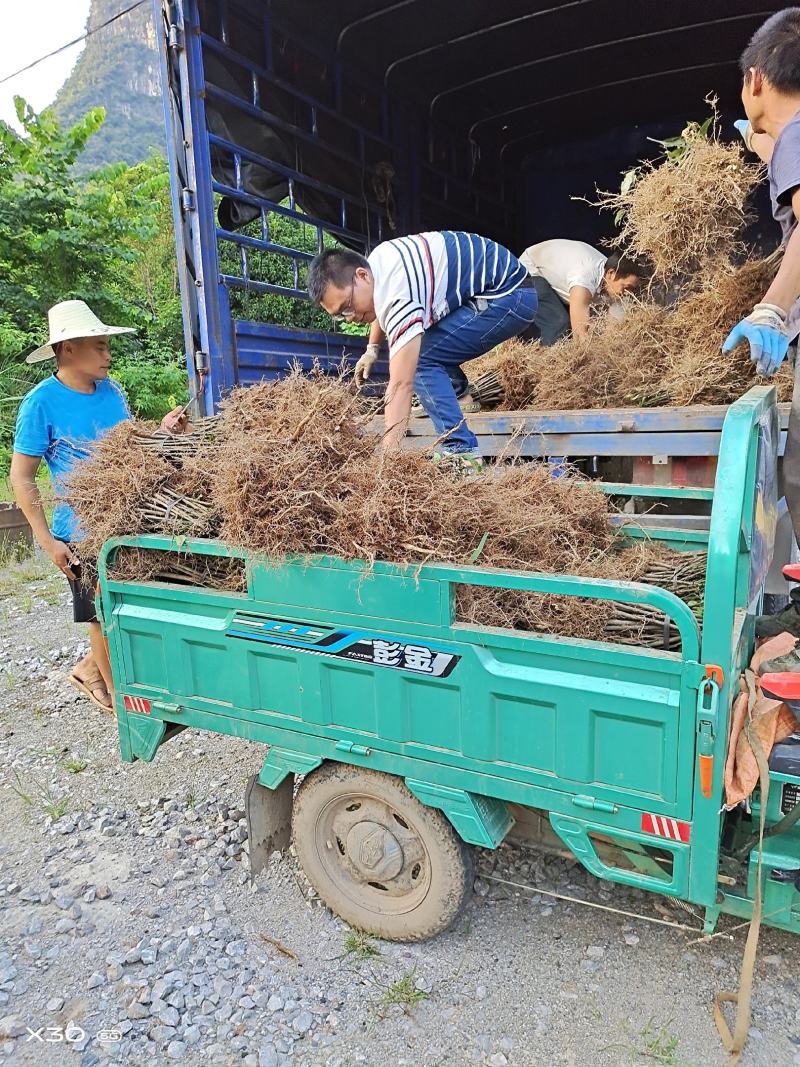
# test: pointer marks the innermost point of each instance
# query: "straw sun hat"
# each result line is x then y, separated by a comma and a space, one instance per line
69, 320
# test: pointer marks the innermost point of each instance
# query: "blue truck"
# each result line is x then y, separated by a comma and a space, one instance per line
289, 126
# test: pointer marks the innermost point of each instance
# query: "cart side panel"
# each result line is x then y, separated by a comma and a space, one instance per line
612, 724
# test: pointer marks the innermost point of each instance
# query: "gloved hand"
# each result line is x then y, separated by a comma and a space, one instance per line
365, 364
765, 331
746, 130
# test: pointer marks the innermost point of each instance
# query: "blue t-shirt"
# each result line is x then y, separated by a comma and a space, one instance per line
60, 424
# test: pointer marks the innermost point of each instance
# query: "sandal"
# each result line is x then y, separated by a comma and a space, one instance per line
91, 685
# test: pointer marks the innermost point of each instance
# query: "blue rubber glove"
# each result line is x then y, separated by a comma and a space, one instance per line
765, 332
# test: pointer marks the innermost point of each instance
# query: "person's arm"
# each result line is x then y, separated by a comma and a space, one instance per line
580, 301
26, 493
786, 288
764, 329
376, 334
397, 405
760, 143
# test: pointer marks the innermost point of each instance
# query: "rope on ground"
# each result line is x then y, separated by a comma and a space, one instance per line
735, 1042
589, 903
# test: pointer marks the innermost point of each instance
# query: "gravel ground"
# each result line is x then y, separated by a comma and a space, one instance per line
129, 931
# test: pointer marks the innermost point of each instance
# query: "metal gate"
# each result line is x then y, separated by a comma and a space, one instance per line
276, 151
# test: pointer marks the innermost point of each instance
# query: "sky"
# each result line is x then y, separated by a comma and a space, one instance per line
31, 29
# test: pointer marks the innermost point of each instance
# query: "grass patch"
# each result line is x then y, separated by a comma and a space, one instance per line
191, 800
659, 1044
75, 764
16, 575
361, 946
654, 1042
403, 992
40, 797
55, 806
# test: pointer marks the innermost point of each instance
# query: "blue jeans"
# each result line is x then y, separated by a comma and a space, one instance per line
468, 332
552, 319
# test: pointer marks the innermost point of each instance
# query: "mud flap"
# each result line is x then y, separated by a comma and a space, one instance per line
269, 820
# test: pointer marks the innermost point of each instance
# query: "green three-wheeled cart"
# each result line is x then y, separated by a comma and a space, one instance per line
418, 736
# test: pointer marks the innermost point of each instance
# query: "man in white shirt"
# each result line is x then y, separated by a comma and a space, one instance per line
571, 276
440, 298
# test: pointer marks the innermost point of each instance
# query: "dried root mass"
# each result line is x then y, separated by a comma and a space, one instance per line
291, 470
654, 356
687, 214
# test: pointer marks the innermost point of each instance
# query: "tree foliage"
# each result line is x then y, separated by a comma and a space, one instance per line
105, 238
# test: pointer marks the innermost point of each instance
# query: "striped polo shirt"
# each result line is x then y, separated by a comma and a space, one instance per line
421, 278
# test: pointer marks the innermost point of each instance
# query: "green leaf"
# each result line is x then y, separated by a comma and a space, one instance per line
629, 180
473, 558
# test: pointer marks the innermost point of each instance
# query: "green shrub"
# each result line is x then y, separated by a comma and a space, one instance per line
152, 381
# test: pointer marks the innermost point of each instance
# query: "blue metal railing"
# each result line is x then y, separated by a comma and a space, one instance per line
353, 166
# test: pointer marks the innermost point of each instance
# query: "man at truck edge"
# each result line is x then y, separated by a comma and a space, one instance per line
58, 421
771, 96
440, 298
572, 280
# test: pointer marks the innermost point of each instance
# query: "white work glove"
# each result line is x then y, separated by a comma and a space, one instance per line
365, 364
765, 331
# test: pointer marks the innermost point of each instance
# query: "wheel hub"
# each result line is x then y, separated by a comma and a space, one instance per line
374, 851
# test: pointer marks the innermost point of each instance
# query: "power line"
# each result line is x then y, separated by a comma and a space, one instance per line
69, 44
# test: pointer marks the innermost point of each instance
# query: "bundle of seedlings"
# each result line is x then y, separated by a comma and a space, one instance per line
685, 214
592, 619
652, 356
696, 370
293, 472
126, 488
177, 447
131, 564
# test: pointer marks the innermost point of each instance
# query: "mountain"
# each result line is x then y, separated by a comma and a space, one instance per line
119, 70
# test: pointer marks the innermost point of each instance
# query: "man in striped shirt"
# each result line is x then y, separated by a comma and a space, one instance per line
439, 298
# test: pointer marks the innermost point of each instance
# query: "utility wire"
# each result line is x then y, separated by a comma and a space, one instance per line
69, 44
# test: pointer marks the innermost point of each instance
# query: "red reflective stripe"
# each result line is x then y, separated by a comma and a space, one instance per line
139, 704
662, 826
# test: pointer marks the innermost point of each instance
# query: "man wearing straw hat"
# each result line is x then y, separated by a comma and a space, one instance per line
58, 421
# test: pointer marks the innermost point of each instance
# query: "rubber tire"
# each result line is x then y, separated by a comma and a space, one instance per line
451, 859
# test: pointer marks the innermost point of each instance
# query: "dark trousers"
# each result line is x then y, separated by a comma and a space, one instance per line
552, 317
791, 468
